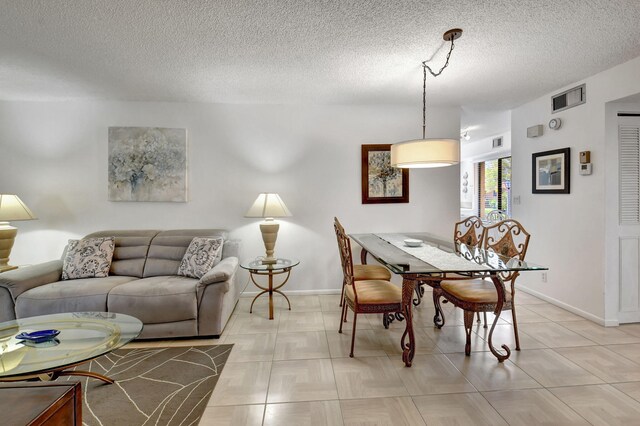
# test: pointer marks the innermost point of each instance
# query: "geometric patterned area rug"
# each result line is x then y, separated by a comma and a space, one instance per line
154, 386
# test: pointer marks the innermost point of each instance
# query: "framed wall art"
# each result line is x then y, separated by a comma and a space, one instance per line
551, 172
147, 164
382, 183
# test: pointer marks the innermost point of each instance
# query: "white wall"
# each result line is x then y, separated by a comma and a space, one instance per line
570, 234
54, 156
482, 149
469, 199
484, 123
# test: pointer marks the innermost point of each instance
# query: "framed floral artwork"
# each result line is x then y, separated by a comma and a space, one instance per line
147, 164
382, 183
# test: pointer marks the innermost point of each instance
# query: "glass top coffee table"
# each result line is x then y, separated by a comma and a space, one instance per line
83, 336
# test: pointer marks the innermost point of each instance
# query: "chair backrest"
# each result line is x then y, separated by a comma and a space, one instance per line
344, 246
496, 216
507, 238
468, 232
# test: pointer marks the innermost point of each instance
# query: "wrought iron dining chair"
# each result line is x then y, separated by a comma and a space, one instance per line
364, 296
363, 272
508, 239
469, 232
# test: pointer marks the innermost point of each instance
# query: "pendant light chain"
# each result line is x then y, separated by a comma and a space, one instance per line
426, 67
424, 100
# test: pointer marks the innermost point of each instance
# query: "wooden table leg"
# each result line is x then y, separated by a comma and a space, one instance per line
363, 256
408, 347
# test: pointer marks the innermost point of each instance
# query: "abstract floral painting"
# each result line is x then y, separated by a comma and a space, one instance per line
147, 164
382, 183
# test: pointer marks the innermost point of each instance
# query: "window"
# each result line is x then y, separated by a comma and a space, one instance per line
494, 186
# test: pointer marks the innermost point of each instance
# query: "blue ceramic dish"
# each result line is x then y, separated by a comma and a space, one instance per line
38, 336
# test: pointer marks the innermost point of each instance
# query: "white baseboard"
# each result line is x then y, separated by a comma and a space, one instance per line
297, 292
572, 309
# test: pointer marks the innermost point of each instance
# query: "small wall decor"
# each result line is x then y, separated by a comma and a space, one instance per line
551, 171
382, 183
147, 164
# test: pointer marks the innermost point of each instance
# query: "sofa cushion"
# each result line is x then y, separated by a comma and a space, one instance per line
168, 248
156, 299
86, 294
200, 257
131, 250
88, 258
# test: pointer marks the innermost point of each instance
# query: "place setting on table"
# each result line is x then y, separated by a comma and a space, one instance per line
426, 259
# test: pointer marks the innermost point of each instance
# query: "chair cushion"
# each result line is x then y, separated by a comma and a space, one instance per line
375, 292
200, 257
478, 290
371, 272
88, 258
88, 294
156, 299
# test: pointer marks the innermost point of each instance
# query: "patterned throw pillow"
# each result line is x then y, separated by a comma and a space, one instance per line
88, 258
200, 257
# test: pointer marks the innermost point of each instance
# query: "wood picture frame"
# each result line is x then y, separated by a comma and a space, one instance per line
551, 172
382, 183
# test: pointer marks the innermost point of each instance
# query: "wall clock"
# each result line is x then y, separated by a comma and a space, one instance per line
555, 123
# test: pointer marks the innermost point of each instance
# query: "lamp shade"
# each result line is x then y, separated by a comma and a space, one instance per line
424, 153
12, 208
268, 205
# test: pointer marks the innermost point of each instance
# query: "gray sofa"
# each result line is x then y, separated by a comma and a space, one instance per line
142, 282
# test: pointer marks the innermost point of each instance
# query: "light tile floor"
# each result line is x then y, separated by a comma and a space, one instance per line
296, 370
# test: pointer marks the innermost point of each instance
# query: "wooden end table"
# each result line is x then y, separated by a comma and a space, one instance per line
41, 404
257, 268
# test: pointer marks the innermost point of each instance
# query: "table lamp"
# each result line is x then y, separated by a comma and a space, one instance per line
11, 209
268, 206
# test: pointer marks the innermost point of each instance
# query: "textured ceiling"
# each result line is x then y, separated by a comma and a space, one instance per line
308, 51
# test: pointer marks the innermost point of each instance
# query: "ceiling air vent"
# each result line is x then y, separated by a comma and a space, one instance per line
569, 99
497, 142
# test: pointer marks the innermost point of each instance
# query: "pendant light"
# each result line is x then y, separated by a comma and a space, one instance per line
433, 152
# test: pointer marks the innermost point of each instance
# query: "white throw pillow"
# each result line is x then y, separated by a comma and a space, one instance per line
200, 257
88, 258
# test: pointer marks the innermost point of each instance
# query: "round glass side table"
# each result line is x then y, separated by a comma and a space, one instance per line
257, 268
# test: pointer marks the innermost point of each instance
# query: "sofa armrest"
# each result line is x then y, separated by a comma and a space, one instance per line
223, 271
231, 248
20, 280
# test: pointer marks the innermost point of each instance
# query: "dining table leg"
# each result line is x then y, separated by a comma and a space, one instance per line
408, 342
497, 282
363, 256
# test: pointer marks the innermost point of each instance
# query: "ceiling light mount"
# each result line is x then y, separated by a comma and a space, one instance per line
452, 34
423, 153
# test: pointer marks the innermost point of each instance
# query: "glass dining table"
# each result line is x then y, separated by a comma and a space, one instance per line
434, 258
